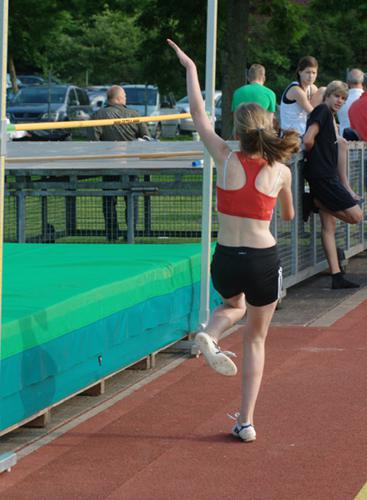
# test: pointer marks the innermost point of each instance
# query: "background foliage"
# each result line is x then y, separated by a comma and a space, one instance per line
114, 41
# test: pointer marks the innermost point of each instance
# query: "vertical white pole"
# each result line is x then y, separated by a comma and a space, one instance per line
3, 124
7, 460
211, 48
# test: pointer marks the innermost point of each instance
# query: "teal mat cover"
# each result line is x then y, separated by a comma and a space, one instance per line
75, 313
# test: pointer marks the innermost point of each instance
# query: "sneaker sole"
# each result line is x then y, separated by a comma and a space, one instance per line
250, 439
219, 362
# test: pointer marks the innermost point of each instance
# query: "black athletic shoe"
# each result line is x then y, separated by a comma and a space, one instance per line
339, 282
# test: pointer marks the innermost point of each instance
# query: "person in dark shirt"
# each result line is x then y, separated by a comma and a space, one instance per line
325, 172
119, 132
117, 108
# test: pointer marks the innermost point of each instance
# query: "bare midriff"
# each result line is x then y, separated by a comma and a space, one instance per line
242, 232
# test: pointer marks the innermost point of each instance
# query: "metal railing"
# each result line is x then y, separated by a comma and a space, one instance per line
136, 204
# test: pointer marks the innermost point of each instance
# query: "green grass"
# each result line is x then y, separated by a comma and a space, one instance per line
181, 214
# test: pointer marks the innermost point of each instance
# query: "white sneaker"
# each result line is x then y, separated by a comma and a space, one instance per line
216, 359
246, 431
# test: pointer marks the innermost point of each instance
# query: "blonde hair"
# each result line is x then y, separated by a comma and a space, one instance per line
336, 87
254, 128
256, 72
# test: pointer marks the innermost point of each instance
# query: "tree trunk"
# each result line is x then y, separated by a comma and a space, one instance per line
13, 75
233, 57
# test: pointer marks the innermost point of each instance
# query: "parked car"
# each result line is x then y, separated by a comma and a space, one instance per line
37, 80
147, 100
9, 95
37, 103
187, 125
31, 80
98, 88
98, 99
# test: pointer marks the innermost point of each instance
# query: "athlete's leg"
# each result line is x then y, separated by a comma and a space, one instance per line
254, 336
352, 215
223, 318
226, 315
328, 228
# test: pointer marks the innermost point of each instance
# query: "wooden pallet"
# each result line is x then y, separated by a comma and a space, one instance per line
42, 418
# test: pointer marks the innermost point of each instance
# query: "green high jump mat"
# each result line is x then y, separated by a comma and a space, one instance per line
74, 313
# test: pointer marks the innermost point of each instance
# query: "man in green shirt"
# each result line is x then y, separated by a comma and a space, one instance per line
255, 91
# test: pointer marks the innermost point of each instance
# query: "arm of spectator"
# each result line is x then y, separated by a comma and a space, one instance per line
94, 133
300, 96
143, 130
318, 97
310, 136
285, 196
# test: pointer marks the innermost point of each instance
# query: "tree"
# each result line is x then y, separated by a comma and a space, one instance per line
184, 22
73, 36
125, 41
248, 32
100, 51
27, 45
338, 37
233, 55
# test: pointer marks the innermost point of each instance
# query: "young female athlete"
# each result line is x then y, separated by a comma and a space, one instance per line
245, 268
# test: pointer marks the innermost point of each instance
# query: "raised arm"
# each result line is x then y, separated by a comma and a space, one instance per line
215, 144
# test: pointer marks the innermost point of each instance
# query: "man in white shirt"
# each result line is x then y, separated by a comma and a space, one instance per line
355, 84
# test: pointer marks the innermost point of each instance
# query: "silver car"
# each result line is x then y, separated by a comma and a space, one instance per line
147, 100
187, 125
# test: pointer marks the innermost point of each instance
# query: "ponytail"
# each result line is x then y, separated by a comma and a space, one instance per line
271, 146
257, 136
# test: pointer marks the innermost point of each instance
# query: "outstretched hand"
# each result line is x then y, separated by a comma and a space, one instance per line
183, 58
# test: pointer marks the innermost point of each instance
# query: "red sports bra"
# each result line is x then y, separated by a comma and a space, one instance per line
247, 201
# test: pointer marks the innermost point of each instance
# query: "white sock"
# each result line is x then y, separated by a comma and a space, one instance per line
244, 424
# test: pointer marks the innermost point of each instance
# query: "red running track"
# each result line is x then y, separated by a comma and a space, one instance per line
170, 439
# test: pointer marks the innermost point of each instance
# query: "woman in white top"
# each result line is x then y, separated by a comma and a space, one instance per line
300, 97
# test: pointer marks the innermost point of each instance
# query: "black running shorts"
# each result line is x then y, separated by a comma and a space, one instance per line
256, 272
331, 193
